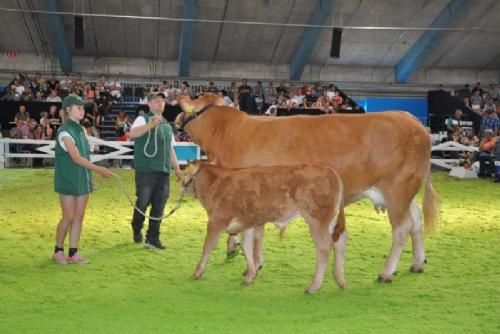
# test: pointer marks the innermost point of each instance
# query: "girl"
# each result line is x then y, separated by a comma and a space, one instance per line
72, 179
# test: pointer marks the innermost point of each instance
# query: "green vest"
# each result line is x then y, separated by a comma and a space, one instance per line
152, 149
70, 178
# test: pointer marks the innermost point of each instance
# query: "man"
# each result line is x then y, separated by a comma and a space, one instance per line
490, 121
153, 158
485, 158
22, 114
244, 95
454, 123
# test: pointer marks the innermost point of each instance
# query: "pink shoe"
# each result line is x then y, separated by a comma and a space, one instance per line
77, 259
59, 258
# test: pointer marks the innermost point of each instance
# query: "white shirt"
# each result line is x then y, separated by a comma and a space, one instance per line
141, 121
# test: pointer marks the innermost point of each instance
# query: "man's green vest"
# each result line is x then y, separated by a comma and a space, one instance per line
70, 178
152, 149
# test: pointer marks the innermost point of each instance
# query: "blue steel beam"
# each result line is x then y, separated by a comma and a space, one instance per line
187, 34
412, 60
309, 39
59, 39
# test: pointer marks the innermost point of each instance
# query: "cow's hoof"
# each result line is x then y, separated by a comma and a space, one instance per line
310, 291
340, 282
383, 279
197, 276
247, 282
416, 269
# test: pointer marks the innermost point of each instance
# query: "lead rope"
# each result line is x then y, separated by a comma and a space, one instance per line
129, 198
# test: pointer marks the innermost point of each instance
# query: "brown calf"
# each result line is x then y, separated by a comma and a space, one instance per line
243, 200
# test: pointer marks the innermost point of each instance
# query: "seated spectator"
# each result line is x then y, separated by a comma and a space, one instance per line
53, 115
89, 93
39, 97
324, 102
144, 99
114, 88
310, 98
52, 83
211, 87
227, 100
43, 116
22, 114
454, 123
19, 87
12, 94
53, 97
65, 85
48, 132
281, 100
122, 123
92, 114
337, 100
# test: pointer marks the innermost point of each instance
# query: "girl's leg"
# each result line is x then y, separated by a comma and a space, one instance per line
76, 225
68, 205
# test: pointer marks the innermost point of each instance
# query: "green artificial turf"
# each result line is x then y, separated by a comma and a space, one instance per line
128, 289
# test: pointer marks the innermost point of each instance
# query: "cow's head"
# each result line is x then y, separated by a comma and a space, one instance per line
192, 108
189, 178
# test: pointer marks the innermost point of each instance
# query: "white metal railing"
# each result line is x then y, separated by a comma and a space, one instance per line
450, 146
122, 150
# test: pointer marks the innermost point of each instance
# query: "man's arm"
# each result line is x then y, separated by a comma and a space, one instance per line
175, 163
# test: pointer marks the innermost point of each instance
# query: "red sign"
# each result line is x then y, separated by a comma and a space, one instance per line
10, 55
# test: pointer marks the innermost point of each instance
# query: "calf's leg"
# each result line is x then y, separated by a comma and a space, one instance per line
214, 230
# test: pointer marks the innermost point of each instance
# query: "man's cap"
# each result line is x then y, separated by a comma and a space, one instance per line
71, 100
152, 96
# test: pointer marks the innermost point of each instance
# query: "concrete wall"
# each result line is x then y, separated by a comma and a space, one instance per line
148, 68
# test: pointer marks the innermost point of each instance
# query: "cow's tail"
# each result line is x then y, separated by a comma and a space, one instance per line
431, 205
282, 231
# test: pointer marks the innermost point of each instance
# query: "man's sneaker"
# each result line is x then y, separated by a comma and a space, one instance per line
77, 259
154, 244
138, 237
59, 258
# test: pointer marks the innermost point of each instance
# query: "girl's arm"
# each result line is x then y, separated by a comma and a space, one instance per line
79, 160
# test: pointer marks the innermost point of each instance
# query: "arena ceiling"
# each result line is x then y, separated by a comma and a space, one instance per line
471, 41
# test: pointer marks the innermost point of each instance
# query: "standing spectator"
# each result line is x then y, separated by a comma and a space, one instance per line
270, 95
489, 121
259, 96
485, 150
244, 94
282, 88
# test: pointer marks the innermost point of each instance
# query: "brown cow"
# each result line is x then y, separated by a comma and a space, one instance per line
239, 200
384, 156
